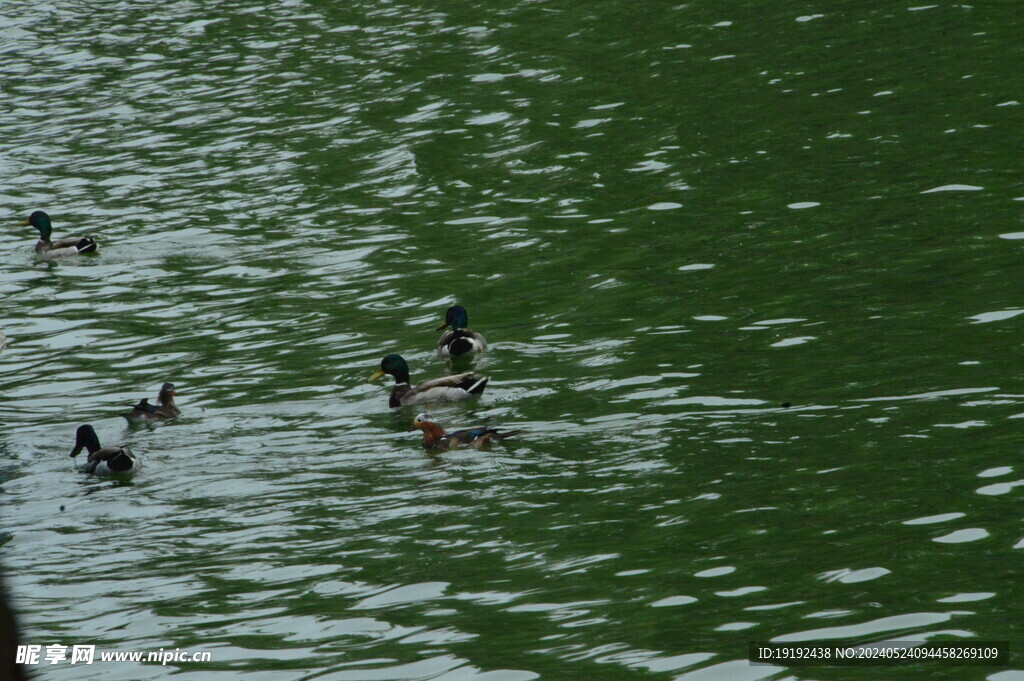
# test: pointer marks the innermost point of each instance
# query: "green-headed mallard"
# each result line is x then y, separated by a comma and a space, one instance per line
435, 436
450, 388
105, 461
161, 411
459, 340
61, 248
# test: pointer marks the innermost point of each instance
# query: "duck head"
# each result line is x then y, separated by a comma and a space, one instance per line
421, 421
40, 221
456, 317
394, 365
85, 437
167, 394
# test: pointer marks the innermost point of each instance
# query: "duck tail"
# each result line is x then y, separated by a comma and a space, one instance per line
120, 463
460, 346
86, 245
503, 434
478, 387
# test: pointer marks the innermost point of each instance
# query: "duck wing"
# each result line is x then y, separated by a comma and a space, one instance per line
445, 338
460, 342
48, 252
456, 387
108, 453
110, 460
463, 381
480, 436
468, 435
83, 244
145, 407
62, 248
144, 410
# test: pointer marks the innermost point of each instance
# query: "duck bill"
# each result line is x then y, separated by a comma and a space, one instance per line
444, 324
25, 222
377, 374
75, 451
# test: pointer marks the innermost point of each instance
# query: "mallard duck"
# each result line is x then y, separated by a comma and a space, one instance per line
448, 389
459, 340
435, 437
61, 248
161, 411
105, 461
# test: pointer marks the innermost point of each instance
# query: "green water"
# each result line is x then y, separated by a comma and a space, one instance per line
668, 220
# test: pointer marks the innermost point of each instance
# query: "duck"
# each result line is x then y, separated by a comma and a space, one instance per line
435, 436
458, 340
463, 386
161, 411
105, 461
61, 248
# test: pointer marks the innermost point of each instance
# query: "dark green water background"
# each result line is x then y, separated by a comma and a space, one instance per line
668, 219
